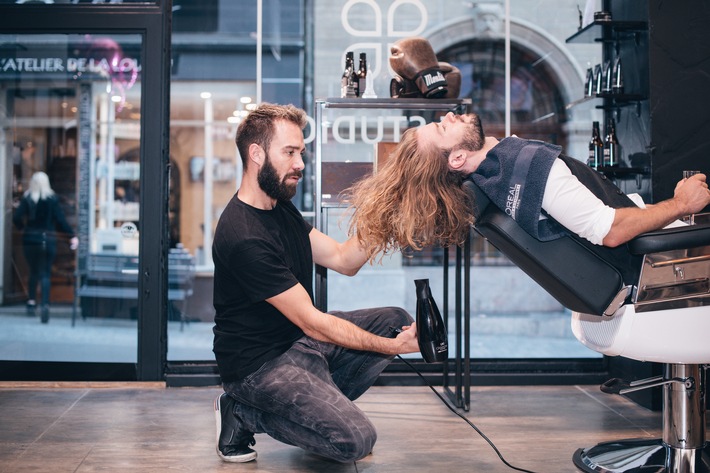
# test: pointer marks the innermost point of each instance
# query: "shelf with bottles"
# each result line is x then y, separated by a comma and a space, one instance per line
606, 81
605, 155
608, 31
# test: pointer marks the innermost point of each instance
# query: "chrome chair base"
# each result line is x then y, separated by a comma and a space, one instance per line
642, 456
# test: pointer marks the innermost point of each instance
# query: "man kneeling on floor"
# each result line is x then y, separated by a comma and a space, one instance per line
288, 369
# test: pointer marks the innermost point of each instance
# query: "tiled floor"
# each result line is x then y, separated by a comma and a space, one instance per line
146, 428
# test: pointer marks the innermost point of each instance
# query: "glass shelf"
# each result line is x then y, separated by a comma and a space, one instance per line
615, 172
607, 31
395, 104
620, 99
614, 102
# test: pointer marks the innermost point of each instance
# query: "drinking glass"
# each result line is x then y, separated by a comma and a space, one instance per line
689, 219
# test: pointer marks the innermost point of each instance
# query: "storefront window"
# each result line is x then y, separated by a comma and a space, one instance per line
70, 107
70, 139
511, 316
76, 2
215, 82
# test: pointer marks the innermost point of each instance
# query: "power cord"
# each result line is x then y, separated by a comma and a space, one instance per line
452, 409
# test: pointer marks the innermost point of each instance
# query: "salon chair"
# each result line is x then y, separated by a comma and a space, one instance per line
648, 300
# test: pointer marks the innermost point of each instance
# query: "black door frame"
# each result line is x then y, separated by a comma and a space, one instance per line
153, 22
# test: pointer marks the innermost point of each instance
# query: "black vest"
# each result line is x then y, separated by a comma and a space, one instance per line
628, 265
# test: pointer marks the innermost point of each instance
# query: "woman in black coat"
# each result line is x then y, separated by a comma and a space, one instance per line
39, 215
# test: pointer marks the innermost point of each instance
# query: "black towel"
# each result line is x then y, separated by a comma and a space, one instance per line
513, 176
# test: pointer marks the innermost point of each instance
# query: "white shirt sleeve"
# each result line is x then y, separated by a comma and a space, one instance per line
574, 206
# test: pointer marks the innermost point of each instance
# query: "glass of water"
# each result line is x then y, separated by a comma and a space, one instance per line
689, 219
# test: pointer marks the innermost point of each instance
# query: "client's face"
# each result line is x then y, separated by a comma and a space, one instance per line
452, 132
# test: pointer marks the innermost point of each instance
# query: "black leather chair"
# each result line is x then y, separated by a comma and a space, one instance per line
648, 300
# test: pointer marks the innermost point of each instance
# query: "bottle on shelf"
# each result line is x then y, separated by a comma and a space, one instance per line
617, 81
589, 82
347, 85
355, 80
608, 77
598, 79
362, 75
596, 148
611, 145
369, 92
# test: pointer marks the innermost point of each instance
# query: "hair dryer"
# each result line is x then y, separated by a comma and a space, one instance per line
431, 331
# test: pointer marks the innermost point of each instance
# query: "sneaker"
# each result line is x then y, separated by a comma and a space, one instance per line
31, 308
233, 441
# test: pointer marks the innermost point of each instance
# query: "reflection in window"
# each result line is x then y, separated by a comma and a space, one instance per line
72, 111
74, 2
537, 107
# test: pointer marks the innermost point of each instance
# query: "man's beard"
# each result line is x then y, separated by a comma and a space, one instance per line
472, 140
274, 187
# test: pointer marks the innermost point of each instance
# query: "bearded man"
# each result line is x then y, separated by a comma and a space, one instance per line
288, 369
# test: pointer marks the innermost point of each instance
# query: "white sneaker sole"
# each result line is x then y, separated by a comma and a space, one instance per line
247, 457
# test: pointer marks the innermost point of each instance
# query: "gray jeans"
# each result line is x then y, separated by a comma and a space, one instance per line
305, 396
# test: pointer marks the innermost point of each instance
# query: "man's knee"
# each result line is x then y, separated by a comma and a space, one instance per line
400, 317
355, 442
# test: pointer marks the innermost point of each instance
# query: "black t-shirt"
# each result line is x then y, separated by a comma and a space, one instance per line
257, 254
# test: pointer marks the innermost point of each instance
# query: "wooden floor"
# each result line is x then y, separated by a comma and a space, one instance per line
147, 428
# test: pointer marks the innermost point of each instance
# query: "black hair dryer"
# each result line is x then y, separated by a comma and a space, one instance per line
431, 331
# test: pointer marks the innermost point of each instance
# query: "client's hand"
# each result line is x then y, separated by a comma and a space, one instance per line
74, 243
693, 193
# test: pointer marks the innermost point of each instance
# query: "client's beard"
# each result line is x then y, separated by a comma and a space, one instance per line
472, 139
274, 187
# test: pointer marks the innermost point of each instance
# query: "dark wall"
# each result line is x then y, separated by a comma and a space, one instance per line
679, 102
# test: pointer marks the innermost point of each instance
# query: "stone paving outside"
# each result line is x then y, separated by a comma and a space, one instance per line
541, 335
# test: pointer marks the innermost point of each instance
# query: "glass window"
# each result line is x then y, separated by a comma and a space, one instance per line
512, 317
76, 2
70, 135
214, 84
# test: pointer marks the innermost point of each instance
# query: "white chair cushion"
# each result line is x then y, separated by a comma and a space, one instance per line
666, 336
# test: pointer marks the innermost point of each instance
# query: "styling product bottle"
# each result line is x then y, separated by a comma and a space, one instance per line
362, 75
617, 82
596, 148
369, 92
611, 145
607, 72
598, 79
431, 331
589, 82
347, 86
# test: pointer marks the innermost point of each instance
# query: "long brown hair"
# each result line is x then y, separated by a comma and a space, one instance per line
412, 202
